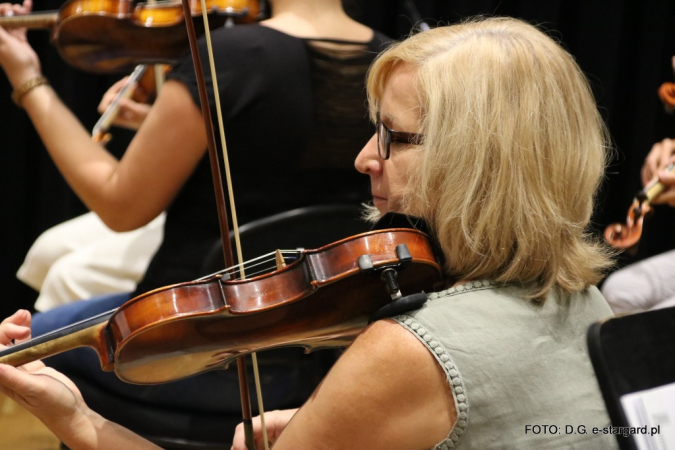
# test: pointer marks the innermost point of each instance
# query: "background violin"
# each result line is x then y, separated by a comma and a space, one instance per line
113, 36
626, 236
141, 86
321, 298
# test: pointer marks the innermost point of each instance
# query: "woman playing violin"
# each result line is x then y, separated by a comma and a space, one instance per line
266, 74
489, 131
649, 284
268, 115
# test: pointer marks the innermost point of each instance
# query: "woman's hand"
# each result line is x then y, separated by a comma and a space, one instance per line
56, 401
130, 114
661, 155
15, 328
44, 392
275, 422
17, 57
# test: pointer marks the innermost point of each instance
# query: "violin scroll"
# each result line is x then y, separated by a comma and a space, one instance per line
626, 236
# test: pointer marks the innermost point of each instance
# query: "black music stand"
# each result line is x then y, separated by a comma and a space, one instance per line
632, 353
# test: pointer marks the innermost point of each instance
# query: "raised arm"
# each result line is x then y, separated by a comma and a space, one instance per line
132, 191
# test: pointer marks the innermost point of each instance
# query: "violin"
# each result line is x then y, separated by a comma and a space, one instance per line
113, 36
141, 86
321, 298
100, 131
627, 236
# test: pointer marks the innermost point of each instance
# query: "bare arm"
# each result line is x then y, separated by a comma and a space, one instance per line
127, 193
130, 192
386, 392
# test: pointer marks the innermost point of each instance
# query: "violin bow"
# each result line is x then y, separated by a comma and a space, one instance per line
415, 16
220, 203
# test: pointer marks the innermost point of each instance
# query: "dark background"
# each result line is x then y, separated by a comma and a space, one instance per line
624, 47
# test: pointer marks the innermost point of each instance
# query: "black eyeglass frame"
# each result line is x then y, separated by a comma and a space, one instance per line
385, 136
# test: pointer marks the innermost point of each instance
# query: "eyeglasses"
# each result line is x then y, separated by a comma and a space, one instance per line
385, 136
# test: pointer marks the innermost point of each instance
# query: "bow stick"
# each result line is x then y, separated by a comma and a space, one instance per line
220, 203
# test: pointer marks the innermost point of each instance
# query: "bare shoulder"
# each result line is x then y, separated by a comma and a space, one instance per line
386, 391
387, 344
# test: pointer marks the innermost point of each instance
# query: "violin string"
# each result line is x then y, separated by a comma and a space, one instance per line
252, 263
259, 260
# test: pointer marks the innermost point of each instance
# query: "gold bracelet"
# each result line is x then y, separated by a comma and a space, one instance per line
25, 88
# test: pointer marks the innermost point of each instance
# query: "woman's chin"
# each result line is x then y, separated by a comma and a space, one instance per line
381, 204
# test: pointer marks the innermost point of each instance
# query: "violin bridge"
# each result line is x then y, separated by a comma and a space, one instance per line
279, 258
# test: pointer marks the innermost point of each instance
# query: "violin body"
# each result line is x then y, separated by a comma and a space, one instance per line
323, 299
109, 36
113, 36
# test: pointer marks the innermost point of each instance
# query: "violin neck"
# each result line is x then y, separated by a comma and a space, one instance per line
88, 333
35, 20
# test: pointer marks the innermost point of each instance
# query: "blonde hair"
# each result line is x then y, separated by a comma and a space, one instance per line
514, 151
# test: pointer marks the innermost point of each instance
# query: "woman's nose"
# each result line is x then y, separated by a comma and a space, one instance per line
368, 161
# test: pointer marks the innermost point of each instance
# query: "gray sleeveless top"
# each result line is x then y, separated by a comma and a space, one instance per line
516, 366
